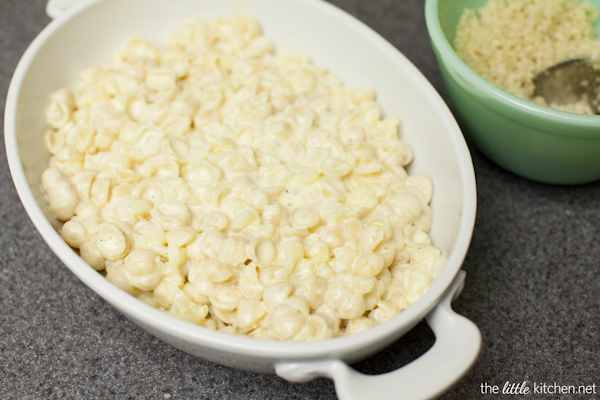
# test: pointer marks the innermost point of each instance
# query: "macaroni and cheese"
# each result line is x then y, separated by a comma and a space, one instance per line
239, 189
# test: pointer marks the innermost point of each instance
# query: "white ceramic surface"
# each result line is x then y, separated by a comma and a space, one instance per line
87, 32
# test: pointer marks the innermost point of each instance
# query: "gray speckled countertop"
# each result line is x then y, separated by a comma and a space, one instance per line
533, 281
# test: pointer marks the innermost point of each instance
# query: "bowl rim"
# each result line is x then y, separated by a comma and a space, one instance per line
551, 117
224, 342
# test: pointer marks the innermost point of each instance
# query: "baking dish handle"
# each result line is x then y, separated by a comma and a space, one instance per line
454, 352
55, 8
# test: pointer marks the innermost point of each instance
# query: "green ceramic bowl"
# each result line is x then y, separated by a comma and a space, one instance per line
530, 140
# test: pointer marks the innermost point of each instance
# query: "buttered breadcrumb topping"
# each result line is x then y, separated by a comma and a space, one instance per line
509, 42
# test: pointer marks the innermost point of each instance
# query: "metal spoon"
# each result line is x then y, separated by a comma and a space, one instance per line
570, 82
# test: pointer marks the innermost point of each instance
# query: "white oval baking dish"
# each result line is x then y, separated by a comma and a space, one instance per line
88, 32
